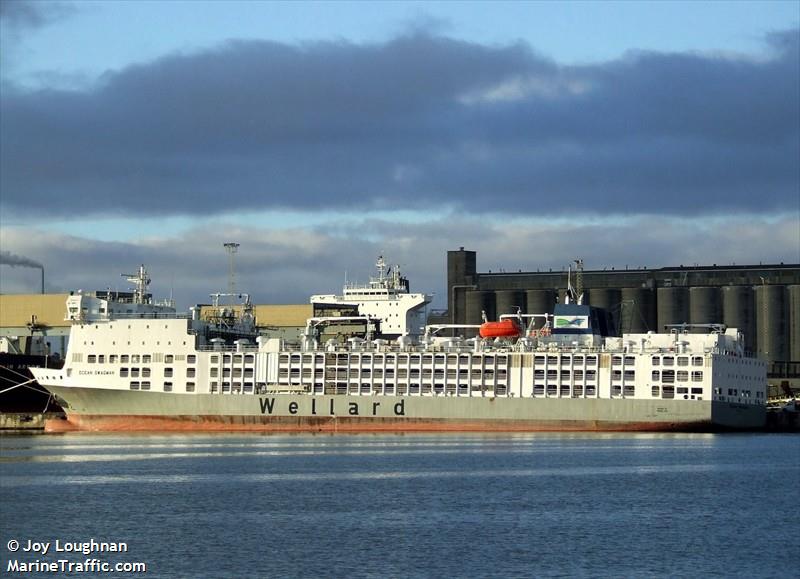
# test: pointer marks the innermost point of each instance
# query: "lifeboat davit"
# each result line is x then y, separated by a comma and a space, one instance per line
507, 328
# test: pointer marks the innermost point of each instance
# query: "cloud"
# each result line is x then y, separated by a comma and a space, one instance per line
290, 264
420, 121
22, 14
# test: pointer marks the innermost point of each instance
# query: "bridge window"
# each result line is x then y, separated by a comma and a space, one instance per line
91, 359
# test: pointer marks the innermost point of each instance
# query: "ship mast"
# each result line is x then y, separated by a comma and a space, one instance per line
140, 282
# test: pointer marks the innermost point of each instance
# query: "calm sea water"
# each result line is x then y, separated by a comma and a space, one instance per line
444, 505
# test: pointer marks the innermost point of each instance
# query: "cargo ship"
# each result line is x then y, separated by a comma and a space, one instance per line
141, 366
20, 394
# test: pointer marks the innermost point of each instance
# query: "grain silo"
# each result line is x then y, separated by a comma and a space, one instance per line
771, 326
509, 302
704, 307
480, 303
638, 310
672, 306
793, 292
737, 312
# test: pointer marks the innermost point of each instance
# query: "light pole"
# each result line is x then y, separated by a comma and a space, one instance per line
231, 248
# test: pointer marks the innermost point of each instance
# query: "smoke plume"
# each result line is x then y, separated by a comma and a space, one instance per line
8, 258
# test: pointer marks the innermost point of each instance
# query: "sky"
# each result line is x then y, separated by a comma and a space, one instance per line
319, 135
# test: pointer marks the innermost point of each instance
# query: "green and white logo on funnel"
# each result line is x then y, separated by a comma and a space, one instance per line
571, 322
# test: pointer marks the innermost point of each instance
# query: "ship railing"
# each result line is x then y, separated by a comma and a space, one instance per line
228, 348
148, 316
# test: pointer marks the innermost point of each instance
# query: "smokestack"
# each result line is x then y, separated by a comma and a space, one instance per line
8, 258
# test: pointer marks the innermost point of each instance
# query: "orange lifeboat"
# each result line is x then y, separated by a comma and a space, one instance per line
507, 328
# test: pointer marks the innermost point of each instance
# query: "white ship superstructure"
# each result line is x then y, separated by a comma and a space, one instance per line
85, 307
158, 370
387, 298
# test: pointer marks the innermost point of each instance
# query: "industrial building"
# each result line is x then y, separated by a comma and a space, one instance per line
763, 301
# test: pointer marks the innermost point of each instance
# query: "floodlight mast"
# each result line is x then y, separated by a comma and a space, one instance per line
231, 247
